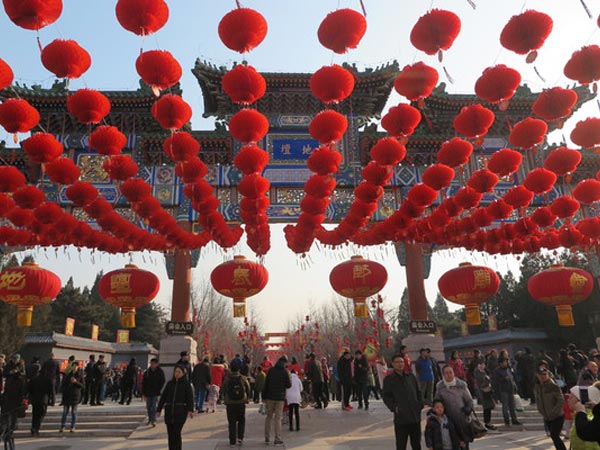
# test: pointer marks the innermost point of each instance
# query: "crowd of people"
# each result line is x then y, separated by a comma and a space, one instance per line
447, 392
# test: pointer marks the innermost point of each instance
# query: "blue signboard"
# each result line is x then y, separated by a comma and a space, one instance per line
293, 148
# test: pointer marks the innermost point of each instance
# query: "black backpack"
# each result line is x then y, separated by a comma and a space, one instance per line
235, 388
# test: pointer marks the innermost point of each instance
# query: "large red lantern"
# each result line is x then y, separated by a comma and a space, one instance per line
470, 286
358, 279
33, 14
342, 30
128, 289
561, 287
242, 29
435, 31
28, 286
65, 58
142, 17
239, 279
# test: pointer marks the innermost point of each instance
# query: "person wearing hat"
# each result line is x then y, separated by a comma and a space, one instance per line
550, 402
503, 383
184, 361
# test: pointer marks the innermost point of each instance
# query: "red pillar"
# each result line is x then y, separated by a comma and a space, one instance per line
415, 282
182, 282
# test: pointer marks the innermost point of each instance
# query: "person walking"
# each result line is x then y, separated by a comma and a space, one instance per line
217, 374
15, 392
371, 385
458, 402
402, 396
293, 396
326, 377
424, 368
98, 382
315, 375
153, 381
503, 385
39, 389
128, 381
177, 399
51, 371
236, 395
277, 381
344, 371
259, 384
201, 382
184, 361
88, 381
485, 394
361, 368
550, 402
72, 393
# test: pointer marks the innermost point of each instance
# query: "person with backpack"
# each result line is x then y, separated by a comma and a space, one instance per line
237, 395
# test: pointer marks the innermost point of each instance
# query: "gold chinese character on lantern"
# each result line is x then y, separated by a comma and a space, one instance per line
483, 279
361, 271
13, 281
119, 283
577, 282
241, 277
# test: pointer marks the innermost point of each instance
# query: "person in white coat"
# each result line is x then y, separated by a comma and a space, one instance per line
293, 395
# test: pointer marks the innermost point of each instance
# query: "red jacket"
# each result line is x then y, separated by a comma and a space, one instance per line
217, 372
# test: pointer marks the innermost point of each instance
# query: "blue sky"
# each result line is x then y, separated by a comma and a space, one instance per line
292, 46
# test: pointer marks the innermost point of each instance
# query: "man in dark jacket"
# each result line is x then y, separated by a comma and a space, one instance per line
40, 389
152, 383
184, 361
277, 381
503, 384
315, 375
344, 372
550, 403
237, 395
98, 383
88, 381
361, 369
15, 390
402, 396
51, 371
128, 381
201, 382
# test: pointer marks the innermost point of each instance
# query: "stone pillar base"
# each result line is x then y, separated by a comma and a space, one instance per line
170, 349
415, 342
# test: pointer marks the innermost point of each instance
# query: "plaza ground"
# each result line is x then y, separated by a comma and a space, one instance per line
328, 429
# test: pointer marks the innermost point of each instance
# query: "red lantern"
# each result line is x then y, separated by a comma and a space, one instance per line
416, 81
561, 287
239, 279
505, 162
555, 103
18, 116
543, 216
128, 289
248, 126
526, 33
401, 120
540, 181
63, 171
584, 65
586, 133
81, 193
28, 286
142, 17
562, 161
564, 207
518, 197
328, 126
88, 106
528, 133
474, 121
332, 84
65, 58
42, 147
242, 29
11, 179
497, 83
135, 189
191, 170
438, 176
358, 279
181, 146
6, 75
435, 31
33, 14
587, 191
483, 181
499, 209
467, 197
422, 195
388, 152
107, 140
254, 185
470, 286
47, 213
120, 167
251, 159
244, 85
171, 112
455, 152
28, 197
158, 68
342, 30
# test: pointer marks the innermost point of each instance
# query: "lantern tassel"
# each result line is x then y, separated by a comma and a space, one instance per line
587, 10
24, 315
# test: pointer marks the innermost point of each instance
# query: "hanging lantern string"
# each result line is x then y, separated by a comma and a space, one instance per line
537, 72
472, 3
587, 10
237, 2
362, 5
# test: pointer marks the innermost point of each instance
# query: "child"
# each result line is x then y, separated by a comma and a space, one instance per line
440, 431
213, 396
293, 395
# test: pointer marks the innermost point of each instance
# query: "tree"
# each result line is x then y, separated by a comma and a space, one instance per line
150, 324
440, 312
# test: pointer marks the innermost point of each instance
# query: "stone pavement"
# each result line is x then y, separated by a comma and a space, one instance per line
328, 429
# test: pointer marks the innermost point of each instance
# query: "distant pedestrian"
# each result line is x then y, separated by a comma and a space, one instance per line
361, 370
15, 392
178, 401
424, 368
51, 371
40, 389
184, 361
201, 382
72, 394
98, 383
550, 402
152, 384
344, 372
128, 381
293, 396
266, 364
588, 375
259, 384
402, 396
88, 381
236, 394
503, 384
315, 376
276, 383
485, 394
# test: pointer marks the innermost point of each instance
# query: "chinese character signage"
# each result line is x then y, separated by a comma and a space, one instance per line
122, 336
422, 326
180, 328
120, 283
69, 326
12, 281
95, 332
293, 148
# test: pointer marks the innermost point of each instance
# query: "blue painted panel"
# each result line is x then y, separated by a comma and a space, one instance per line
285, 149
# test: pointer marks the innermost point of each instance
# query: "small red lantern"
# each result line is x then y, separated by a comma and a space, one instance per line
65, 58
435, 31
561, 287
474, 121
416, 81
142, 17
526, 33
470, 286
33, 14
181, 146
242, 29
107, 140
555, 103
483, 180
528, 133
358, 279
28, 286
18, 116
342, 30
6, 75
586, 133
239, 279
63, 171
455, 152
505, 162
128, 289
159, 69
88, 106
248, 126
81, 193
498, 84
587, 191
120, 167
171, 112
11, 179
332, 84
42, 147
328, 126
401, 120
244, 85
540, 181
584, 65
388, 152
562, 161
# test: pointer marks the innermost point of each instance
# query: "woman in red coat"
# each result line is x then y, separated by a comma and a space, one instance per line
457, 365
